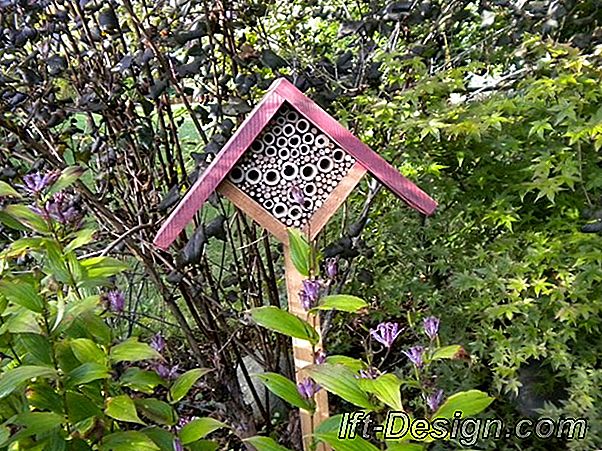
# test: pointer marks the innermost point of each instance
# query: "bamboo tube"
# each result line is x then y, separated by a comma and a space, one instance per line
279, 209
271, 177
325, 164
302, 125
268, 138
290, 171
236, 175
288, 129
253, 176
309, 172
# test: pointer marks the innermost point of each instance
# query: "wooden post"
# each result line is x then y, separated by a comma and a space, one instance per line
303, 353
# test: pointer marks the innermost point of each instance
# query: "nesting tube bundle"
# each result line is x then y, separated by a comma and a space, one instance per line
291, 168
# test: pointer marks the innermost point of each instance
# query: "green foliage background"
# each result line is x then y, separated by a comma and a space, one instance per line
492, 107
516, 169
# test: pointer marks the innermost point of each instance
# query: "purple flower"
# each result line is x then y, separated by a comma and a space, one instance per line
183, 421
167, 372
116, 301
310, 293
386, 333
434, 399
332, 267
370, 373
36, 182
158, 342
297, 195
177, 445
431, 326
415, 355
308, 388
62, 208
320, 357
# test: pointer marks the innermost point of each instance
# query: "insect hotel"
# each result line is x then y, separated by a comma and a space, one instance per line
291, 164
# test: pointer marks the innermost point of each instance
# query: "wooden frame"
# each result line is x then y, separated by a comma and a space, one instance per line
284, 91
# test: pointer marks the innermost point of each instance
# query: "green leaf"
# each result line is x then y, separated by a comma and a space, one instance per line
128, 441
82, 237
386, 388
141, 380
264, 444
78, 444
446, 352
353, 364
60, 311
355, 444
87, 351
42, 396
203, 445
341, 302
103, 267
90, 324
199, 428
36, 349
87, 373
330, 424
285, 323
184, 383
132, 350
162, 438
13, 378
36, 423
68, 176
80, 407
157, 411
75, 308
341, 381
469, 402
300, 251
8, 191
22, 322
23, 294
10, 222
56, 265
404, 446
285, 389
122, 408
21, 246
328, 432
25, 216
4, 435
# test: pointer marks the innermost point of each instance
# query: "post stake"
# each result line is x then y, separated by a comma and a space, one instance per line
303, 353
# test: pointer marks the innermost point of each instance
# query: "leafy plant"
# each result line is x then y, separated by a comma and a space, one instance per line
65, 381
359, 383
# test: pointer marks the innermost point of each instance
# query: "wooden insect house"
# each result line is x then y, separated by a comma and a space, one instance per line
291, 165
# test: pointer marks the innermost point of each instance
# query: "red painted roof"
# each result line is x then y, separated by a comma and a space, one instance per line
282, 90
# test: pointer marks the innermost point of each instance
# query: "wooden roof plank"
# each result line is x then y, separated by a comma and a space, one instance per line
209, 180
372, 161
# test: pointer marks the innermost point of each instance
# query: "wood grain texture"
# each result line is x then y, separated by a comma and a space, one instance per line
254, 210
303, 353
219, 167
372, 161
335, 200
